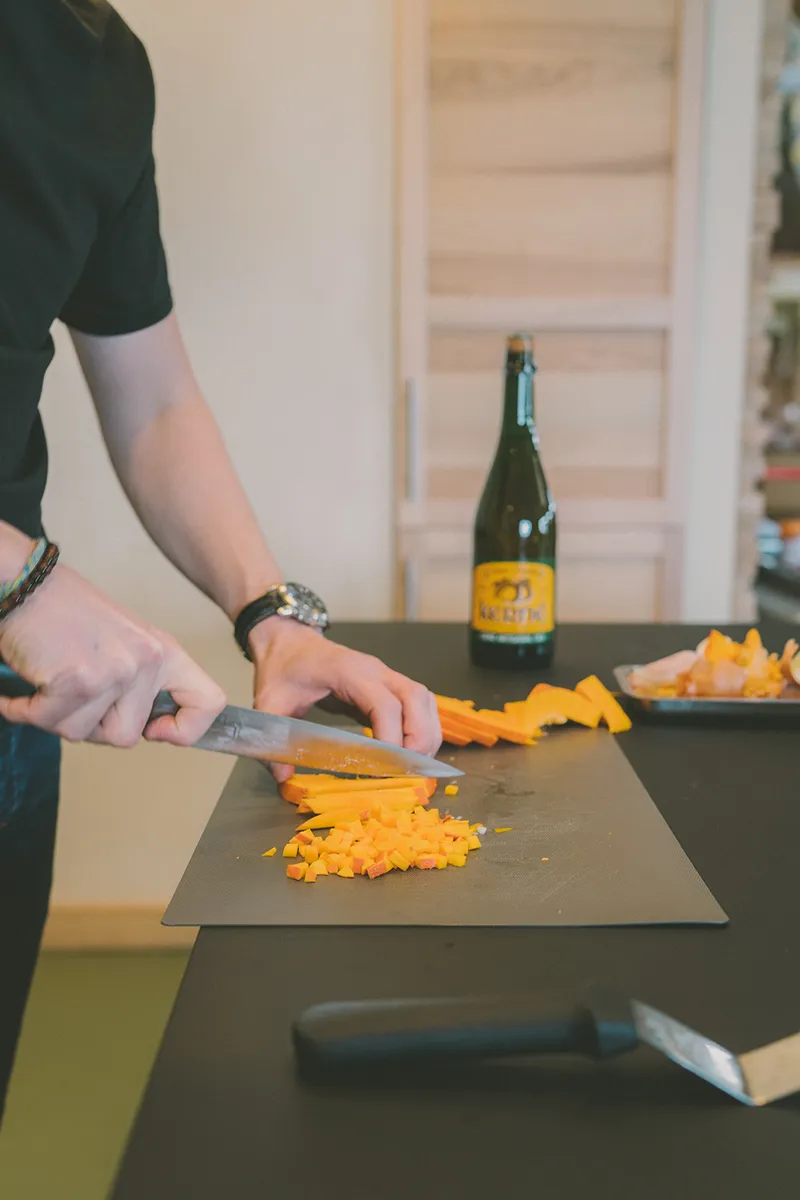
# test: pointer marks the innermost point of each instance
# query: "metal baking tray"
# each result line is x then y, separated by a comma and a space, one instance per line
734, 709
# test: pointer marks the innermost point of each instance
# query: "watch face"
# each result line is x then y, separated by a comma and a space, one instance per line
304, 605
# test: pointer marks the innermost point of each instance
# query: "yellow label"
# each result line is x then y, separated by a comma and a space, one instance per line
513, 599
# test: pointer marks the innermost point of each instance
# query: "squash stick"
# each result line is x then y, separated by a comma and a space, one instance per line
472, 735
455, 736
486, 723
400, 799
327, 785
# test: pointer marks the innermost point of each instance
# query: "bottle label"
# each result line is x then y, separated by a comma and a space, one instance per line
514, 602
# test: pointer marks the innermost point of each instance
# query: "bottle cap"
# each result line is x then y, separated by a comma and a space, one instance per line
519, 343
519, 353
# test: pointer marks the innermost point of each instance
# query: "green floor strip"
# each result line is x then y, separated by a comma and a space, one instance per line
93, 1026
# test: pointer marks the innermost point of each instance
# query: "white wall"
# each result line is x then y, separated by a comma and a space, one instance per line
274, 149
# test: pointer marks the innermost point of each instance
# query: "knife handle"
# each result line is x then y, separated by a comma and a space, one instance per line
12, 685
330, 1037
163, 706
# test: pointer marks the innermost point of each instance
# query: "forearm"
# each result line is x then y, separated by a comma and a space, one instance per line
182, 484
170, 458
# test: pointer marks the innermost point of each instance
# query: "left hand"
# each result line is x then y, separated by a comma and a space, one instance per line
296, 667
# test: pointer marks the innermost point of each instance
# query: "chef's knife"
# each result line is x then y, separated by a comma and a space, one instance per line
330, 1038
250, 734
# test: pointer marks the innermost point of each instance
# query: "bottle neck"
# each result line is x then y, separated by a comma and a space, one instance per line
518, 402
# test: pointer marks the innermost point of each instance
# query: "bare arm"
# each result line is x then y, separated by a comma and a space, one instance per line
170, 458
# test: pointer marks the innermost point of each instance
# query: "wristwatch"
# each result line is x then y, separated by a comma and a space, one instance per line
290, 600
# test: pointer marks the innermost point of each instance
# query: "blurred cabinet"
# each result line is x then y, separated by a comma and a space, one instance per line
548, 179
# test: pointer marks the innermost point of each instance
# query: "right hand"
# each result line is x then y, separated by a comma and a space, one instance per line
98, 669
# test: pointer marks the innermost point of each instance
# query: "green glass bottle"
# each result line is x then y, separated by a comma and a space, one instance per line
513, 591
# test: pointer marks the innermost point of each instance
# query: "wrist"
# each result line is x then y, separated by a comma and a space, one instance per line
278, 609
250, 590
15, 550
274, 629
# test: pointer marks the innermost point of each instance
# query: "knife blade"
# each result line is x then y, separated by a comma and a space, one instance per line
331, 1038
251, 734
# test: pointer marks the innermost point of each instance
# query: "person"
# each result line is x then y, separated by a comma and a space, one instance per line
80, 243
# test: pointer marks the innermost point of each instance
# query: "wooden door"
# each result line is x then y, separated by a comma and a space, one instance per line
548, 180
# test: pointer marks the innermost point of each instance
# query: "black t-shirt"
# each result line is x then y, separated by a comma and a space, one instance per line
79, 230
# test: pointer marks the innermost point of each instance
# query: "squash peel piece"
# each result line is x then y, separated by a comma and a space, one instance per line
613, 714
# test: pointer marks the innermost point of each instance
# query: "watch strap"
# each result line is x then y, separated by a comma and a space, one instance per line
253, 614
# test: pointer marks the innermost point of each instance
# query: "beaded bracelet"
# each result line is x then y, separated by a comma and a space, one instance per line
36, 557
32, 576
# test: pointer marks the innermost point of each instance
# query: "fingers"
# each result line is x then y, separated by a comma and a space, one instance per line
363, 682
399, 710
200, 700
124, 723
422, 730
70, 715
281, 772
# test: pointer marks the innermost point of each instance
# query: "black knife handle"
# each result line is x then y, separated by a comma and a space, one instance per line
328, 1037
163, 706
12, 685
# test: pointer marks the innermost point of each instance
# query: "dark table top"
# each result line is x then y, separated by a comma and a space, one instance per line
225, 1116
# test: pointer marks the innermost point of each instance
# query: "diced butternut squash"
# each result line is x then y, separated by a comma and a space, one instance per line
457, 828
327, 819
396, 829
451, 789
457, 860
612, 713
270, 853
290, 850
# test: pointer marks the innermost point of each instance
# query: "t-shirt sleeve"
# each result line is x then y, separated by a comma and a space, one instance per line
124, 286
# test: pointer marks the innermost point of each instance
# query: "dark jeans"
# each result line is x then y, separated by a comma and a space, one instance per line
29, 774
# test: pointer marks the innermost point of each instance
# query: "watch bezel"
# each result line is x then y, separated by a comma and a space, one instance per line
302, 604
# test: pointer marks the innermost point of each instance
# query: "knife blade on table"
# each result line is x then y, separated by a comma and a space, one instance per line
330, 1038
250, 734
